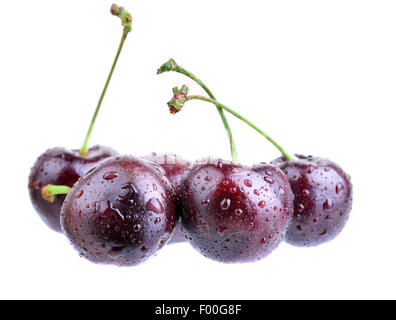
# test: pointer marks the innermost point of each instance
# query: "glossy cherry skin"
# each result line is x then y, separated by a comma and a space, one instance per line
122, 212
60, 166
232, 213
174, 167
323, 199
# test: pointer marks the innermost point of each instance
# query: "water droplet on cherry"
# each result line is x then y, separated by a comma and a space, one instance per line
247, 183
328, 204
79, 194
225, 204
339, 187
110, 175
155, 205
262, 204
269, 180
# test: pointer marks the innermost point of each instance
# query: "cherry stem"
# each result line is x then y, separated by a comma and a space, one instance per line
50, 191
171, 65
126, 19
180, 97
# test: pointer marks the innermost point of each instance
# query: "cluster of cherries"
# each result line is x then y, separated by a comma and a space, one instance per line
122, 209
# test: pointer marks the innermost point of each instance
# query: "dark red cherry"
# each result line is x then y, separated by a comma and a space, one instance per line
122, 212
323, 199
60, 167
174, 167
233, 213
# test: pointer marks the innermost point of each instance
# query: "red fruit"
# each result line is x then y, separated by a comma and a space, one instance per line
323, 199
59, 166
232, 213
121, 213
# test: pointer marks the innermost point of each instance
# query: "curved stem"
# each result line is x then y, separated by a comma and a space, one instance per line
196, 97
50, 191
84, 148
171, 65
234, 153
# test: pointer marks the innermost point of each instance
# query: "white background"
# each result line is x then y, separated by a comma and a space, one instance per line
319, 76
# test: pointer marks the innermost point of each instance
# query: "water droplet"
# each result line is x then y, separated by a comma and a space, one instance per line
339, 187
111, 210
137, 227
305, 192
157, 220
233, 190
323, 233
300, 207
256, 192
282, 190
79, 193
238, 212
226, 183
268, 172
269, 180
262, 204
110, 175
129, 186
225, 204
315, 220
328, 204
155, 205
207, 178
264, 240
247, 183
205, 202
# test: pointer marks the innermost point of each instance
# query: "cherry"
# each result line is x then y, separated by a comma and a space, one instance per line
59, 166
174, 167
323, 199
233, 213
122, 212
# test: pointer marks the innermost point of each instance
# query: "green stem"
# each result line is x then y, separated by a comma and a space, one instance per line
196, 97
84, 148
50, 191
171, 65
126, 21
